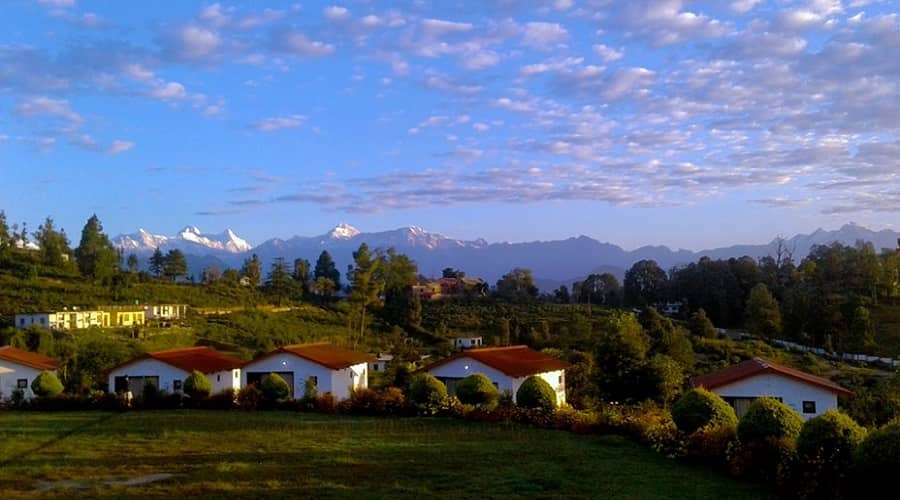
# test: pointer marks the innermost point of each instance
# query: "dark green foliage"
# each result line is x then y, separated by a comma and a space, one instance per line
877, 460
665, 379
700, 325
535, 392
46, 385
700, 408
645, 284
517, 286
477, 389
762, 315
175, 265
769, 418
197, 386
53, 243
274, 388
279, 283
249, 397
157, 262
620, 357
428, 394
825, 449
252, 270
96, 257
303, 277
365, 286
325, 268
598, 289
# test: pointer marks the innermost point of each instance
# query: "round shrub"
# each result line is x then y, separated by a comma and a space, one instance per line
248, 397
477, 389
274, 388
825, 449
877, 460
427, 393
769, 418
700, 408
197, 386
535, 392
46, 385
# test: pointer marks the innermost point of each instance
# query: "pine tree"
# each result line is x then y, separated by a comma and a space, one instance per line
325, 268
96, 257
132, 263
365, 288
157, 262
762, 315
5, 238
302, 277
279, 282
175, 265
54, 245
252, 270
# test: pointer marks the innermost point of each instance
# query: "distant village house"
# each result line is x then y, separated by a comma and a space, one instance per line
167, 370
19, 368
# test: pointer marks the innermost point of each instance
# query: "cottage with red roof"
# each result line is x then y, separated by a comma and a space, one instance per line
332, 369
507, 367
168, 369
18, 368
740, 384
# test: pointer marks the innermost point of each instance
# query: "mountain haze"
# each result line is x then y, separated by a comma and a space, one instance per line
552, 262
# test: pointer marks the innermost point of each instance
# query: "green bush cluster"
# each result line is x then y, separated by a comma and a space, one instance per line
535, 392
478, 390
428, 394
197, 386
700, 408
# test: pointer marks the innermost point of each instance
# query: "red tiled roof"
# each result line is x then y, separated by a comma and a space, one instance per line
202, 359
758, 366
27, 358
323, 353
515, 361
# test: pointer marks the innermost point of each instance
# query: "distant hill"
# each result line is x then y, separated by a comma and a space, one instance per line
552, 262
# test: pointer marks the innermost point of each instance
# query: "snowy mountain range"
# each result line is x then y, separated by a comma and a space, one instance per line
552, 262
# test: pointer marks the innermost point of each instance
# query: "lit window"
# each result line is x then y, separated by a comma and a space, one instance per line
809, 407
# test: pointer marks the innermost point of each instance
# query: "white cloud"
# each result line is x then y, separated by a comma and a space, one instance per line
297, 43
168, 91
46, 106
436, 28
336, 13
744, 6
195, 42
481, 127
278, 123
607, 54
543, 36
57, 3
119, 146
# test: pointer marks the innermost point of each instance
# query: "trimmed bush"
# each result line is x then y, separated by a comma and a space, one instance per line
877, 461
427, 394
825, 451
274, 388
535, 392
478, 390
46, 385
197, 386
710, 444
700, 408
769, 418
767, 440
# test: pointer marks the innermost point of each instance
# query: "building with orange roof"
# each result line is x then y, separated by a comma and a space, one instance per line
331, 368
742, 383
168, 369
507, 367
18, 368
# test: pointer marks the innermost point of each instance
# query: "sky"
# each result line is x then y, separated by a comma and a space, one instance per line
687, 123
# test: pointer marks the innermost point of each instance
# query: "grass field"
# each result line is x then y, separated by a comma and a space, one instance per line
253, 455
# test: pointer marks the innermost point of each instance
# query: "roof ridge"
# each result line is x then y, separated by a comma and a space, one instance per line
498, 348
181, 349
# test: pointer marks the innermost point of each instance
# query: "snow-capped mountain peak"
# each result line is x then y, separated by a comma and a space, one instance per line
343, 231
191, 238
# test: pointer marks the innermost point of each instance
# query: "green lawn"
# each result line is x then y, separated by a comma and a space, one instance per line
279, 454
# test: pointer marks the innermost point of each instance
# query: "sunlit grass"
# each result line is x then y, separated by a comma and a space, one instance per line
212, 454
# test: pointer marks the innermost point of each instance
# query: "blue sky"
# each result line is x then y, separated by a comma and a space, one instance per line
691, 124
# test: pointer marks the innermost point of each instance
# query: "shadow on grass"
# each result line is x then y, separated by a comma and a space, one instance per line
17, 457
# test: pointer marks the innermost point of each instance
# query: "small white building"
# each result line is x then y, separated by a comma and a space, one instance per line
467, 342
18, 368
381, 363
333, 369
742, 383
168, 369
166, 311
507, 367
74, 319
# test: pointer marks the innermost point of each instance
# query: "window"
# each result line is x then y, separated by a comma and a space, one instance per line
21, 321
315, 380
176, 385
218, 378
22, 383
560, 379
43, 321
809, 407
375, 367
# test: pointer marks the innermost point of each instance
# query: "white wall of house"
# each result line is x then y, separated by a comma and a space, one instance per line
463, 367
467, 342
10, 375
791, 391
168, 375
166, 311
338, 382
